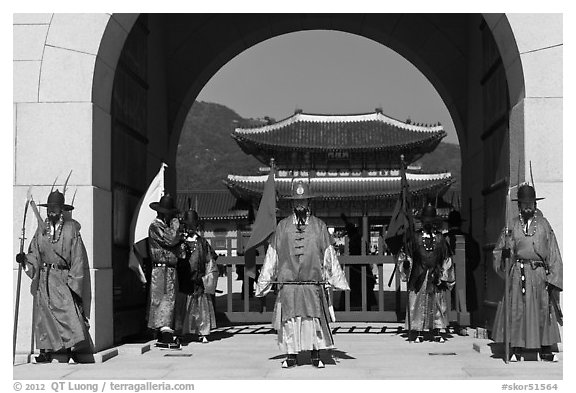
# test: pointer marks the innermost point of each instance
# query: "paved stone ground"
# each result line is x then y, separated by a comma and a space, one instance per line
368, 351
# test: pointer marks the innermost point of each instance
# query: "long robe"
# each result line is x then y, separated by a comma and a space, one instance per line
198, 277
301, 312
165, 249
532, 320
57, 289
429, 277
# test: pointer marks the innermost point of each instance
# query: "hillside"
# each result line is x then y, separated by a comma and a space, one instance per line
207, 153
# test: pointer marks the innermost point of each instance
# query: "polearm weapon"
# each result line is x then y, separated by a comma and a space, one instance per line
408, 243
18, 283
506, 257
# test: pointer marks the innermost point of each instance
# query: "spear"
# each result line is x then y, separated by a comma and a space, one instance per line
18, 283
506, 257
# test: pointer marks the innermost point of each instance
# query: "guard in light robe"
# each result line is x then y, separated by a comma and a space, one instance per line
535, 281
57, 262
165, 242
197, 278
429, 274
302, 261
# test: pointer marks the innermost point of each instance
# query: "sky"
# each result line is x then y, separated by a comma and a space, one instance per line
327, 72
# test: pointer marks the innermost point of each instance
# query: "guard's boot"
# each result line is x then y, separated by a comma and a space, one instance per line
44, 357
290, 361
202, 339
438, 337
71, 356
419, 337
547, 355
315, 356
515, 356
167, 340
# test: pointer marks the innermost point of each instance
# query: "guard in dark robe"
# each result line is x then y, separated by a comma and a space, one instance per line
535, 281
165, 242
197, 281
56, 262
303, 262
429, 274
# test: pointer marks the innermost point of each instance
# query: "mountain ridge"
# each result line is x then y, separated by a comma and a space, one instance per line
207, 153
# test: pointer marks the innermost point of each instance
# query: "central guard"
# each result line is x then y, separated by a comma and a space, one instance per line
302, 261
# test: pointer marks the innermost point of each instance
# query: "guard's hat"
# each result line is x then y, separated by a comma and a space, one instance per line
166, 205
428, 213
191, 218
526, 193
300, 190
56, 198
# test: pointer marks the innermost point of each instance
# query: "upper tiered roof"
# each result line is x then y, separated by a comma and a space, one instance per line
362, 132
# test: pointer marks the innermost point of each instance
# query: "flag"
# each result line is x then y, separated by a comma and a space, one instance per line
401, 226
143, 217
264, 225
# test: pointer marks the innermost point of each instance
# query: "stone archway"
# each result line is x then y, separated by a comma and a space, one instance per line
65, 67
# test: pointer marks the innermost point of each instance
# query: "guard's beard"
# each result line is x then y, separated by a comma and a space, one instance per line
54, 218
301, 214
527, 214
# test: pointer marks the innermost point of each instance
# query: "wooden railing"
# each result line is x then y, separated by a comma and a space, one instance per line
237, 305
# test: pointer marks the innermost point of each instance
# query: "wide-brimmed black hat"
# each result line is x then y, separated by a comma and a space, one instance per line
56, 198
454, 218
526, 193
166, 205
300, 190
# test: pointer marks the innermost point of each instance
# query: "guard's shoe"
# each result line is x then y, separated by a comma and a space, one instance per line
290, 362
439, 339
515, 358
419, 339
318, 363
166, 338
549, 357
174, 343
203, 339
44, 357
315, 356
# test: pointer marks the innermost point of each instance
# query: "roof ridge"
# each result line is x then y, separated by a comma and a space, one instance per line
333, 118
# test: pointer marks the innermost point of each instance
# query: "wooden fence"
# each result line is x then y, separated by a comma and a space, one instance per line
238, 306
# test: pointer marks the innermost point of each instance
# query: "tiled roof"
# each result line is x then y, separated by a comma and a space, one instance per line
372, 131
214, 205
373, 187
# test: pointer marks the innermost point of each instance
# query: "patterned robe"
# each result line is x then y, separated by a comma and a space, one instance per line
301, 312
57, 263
165, 249
532, 320
197, 277
430, 277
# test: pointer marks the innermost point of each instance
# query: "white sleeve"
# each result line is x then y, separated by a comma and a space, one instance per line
333, 271
267, 273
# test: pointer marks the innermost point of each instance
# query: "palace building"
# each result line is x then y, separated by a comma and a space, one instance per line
351, 161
